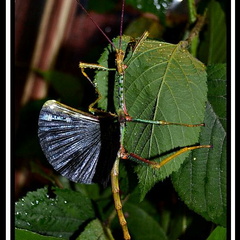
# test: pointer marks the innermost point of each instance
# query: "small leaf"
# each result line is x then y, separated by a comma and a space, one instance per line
192, 11
60, 215
217, 90
104, 80
213, 46
142, 226
219, 233
21, 234
94, 230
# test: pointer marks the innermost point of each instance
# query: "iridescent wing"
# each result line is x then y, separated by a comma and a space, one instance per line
72, 142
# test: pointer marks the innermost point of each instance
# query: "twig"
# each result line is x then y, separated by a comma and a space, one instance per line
195, 31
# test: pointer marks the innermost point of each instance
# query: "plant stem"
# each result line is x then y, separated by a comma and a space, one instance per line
192, 11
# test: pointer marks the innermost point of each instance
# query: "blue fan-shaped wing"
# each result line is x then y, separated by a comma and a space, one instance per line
70, 140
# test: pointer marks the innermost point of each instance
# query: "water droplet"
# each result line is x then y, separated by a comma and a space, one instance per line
108, 29
157, 5
164, 4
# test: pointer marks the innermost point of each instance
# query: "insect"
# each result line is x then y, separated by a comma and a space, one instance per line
86, 147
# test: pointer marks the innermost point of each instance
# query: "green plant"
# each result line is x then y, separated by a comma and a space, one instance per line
80, 211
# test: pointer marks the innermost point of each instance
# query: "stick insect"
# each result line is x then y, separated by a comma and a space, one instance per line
87, 147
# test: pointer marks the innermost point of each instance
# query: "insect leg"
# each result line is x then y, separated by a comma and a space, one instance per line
117, 199
82, 66
140, 40
134, 156
162, 122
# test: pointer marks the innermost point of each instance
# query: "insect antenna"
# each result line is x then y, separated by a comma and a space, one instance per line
104, 34
121, 26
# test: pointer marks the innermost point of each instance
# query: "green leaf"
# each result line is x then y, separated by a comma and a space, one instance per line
104, 80
201, 181
177, 222
94, 230
59, 215
21, 234
217, 90
219, 233
142, 225
213, 46
162, 82
192, 11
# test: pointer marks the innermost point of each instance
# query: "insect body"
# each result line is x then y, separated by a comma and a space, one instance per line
140, 132
156, 84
